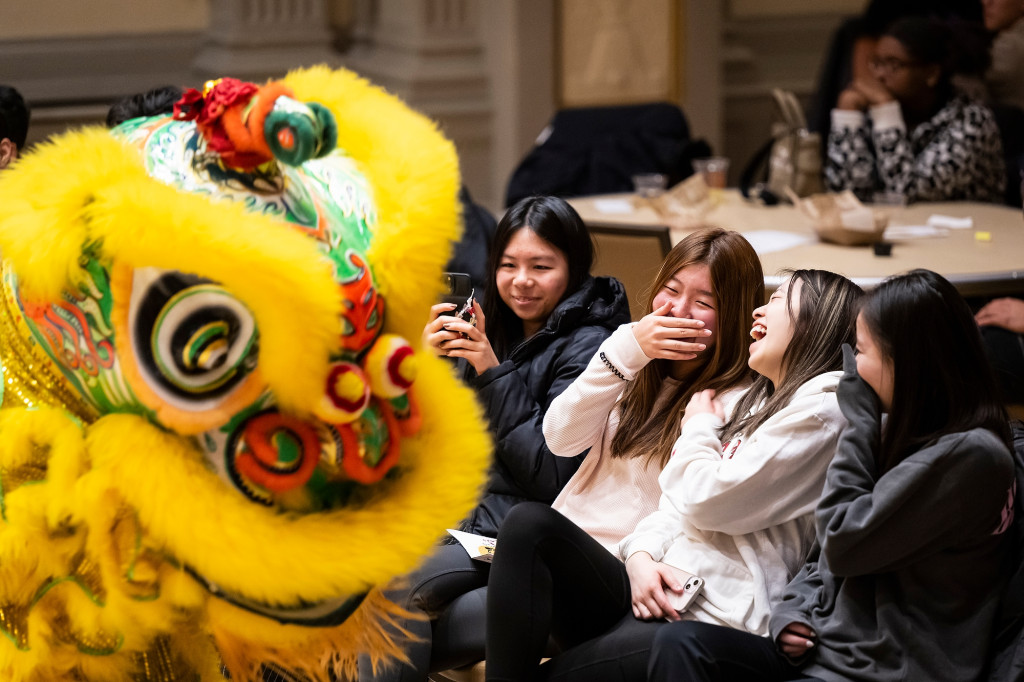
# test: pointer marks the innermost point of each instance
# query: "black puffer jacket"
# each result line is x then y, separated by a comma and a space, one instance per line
516, 394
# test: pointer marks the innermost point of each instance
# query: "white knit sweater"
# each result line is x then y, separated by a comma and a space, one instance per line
607, 496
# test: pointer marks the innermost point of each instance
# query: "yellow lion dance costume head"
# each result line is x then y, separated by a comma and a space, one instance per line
215, 435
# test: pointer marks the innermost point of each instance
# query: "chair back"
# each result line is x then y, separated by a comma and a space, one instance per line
598, 150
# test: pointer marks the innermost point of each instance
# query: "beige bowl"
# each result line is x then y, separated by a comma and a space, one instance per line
837, 234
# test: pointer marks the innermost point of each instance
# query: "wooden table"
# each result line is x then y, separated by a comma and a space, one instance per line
976, 267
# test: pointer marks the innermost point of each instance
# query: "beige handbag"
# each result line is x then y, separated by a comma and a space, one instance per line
793, 155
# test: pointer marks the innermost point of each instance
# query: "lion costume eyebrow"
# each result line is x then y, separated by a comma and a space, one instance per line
114, 210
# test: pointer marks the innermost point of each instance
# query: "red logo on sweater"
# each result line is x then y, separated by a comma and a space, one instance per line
1006, 516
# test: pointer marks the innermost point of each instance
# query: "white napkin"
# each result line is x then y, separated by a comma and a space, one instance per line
950, 222
613, 206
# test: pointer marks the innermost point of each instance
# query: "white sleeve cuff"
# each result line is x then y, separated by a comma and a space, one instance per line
843, 118
651, 543
888, 115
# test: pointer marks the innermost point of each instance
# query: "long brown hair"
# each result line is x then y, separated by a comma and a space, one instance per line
738, 284
825, 319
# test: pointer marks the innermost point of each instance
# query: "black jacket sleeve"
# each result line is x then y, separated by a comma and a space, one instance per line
516, 417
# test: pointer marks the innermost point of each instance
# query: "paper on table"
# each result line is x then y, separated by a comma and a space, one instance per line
951, 222
913, 232
770, 241
613, 206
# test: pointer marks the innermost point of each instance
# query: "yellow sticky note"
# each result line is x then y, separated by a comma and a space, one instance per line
982, 236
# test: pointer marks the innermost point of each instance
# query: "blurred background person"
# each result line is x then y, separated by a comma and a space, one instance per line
1002, 330
852, 47
906, 129
1005, 77
14, 117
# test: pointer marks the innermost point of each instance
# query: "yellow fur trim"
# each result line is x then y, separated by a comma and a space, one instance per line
67, 609
414, 173
246, 641
282, 558
104, 198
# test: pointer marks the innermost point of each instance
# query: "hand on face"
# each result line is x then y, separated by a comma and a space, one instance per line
447, 335
851, 99
873, 91
669, 338
873, 365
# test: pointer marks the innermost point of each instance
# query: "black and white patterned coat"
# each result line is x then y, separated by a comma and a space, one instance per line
956, 155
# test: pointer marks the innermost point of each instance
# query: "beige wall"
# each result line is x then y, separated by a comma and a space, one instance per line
617, 52
27, 19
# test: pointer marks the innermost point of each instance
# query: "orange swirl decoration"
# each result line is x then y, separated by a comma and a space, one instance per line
281, 452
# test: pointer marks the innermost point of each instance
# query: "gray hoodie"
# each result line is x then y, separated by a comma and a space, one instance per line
907, 583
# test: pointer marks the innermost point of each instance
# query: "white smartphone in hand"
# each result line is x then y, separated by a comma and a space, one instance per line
692, 586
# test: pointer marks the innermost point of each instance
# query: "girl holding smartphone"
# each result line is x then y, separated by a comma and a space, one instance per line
543, 318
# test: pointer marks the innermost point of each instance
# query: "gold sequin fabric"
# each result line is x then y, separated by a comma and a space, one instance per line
30, 377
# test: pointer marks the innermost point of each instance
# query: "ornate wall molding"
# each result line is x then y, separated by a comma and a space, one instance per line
431, 53
72, 81
259, 39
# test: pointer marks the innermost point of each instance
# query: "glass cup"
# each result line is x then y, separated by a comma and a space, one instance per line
649, 185
715, 171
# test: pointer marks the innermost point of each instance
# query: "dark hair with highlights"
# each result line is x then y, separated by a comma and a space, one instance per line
150, 103
826, 318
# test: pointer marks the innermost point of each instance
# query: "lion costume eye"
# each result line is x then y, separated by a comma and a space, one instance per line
193, 336
194, 348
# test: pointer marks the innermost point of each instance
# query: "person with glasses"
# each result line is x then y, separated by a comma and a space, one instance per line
907, 130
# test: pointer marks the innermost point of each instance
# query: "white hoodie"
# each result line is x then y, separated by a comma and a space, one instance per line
740, 514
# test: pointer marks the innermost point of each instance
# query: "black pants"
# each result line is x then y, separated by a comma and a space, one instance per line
550, 578
688, 651
448, 590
